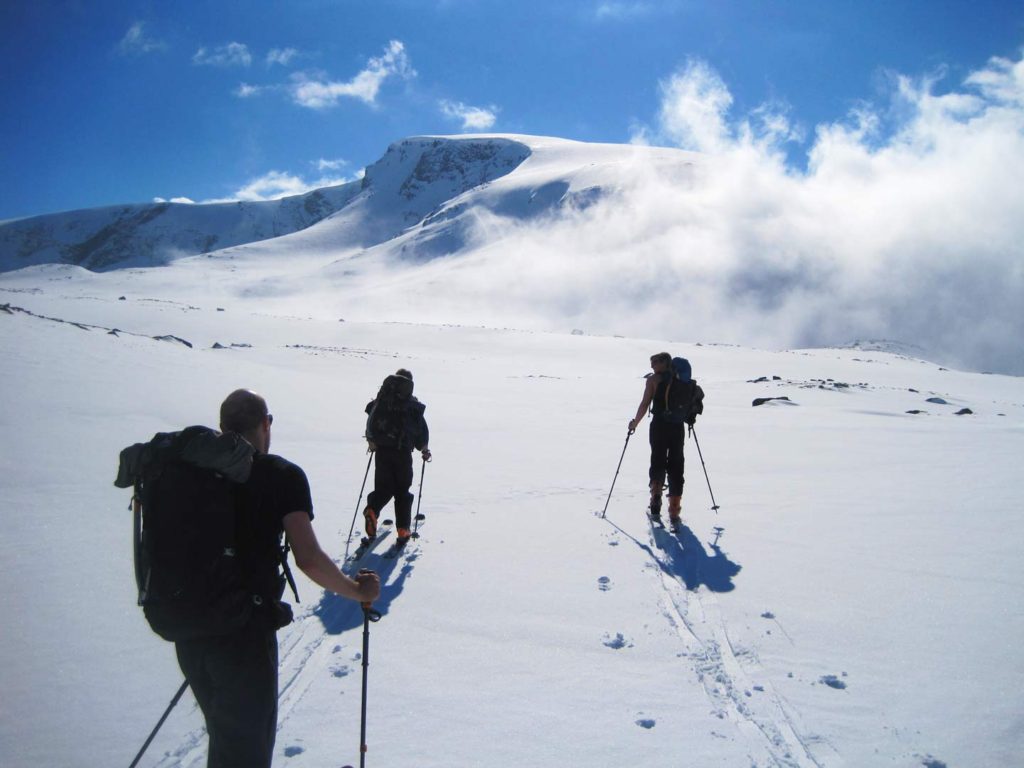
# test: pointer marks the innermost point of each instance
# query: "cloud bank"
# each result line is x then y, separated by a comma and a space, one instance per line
913, 234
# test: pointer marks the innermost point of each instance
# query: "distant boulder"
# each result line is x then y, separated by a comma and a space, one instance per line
762, 400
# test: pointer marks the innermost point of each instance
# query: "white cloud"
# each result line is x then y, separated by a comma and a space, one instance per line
330, 165
282, 56
247, 91
277, 184
472, 118
320, 93
910, 232
694, 107
618, 11
271, 186
230, 55
136, 42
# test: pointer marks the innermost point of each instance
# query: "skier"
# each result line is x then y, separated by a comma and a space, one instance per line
394, 427
234, 676
671, 411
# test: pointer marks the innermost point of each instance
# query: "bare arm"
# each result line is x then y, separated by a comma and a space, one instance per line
649, 388
318, 566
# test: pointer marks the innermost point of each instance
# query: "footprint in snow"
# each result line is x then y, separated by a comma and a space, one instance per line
617, 642
342, 671
293, 751
604, 583
646, 722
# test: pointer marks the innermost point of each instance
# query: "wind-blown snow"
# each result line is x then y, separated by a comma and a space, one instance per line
897, 242
856, 600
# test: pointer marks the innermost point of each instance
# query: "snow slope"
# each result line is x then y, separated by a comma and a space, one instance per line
856, 601
157, 233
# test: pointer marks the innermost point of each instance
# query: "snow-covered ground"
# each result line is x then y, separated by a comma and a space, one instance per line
856, 601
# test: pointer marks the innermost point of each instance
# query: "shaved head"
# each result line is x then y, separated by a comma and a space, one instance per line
242, 411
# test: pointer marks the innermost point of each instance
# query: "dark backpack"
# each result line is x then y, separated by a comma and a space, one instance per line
387, 425
684, 399
188, 568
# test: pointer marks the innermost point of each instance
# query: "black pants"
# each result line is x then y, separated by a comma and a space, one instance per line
392, 477
234, 679
667, 454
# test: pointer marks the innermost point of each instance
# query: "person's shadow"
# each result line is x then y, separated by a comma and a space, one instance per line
338, 614
685, 557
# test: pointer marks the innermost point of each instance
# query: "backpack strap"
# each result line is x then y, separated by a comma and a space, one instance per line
282, 556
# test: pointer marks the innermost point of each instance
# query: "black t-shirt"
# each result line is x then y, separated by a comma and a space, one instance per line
275, 488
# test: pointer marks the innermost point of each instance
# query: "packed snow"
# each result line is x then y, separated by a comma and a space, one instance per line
856, 600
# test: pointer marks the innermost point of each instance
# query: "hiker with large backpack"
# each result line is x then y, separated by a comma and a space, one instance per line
675, 400
394, 427
210, 511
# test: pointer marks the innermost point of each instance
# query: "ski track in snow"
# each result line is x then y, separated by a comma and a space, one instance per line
305, 655
757, 712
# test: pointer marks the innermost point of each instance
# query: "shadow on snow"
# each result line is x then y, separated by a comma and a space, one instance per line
682, 555
338, 614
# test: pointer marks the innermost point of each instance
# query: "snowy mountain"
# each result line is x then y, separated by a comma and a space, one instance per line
414, 183
150, 235
548, 234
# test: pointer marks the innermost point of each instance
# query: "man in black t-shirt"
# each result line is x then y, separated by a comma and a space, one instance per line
234, 676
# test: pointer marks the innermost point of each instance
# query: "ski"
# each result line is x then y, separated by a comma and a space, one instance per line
367, 545
399, 546
395, 549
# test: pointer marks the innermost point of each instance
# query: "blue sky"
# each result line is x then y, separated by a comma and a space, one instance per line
109, 102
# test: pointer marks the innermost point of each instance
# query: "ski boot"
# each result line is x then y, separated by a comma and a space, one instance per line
675, 510
655, 507
370, 514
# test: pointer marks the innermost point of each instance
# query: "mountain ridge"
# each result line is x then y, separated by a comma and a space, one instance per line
423, 172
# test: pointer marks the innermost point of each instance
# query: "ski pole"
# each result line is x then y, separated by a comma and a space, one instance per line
693, 434
419, 498
159, 723
628, 435
359, 501
369, 614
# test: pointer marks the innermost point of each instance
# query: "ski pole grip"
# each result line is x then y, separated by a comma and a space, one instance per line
368, 609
